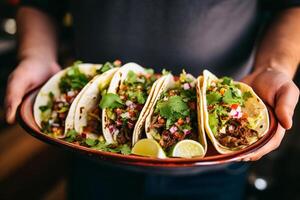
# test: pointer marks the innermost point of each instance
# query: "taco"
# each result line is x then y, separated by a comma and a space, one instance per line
56, 101
87, 118
235, 117
174, 115
126, 100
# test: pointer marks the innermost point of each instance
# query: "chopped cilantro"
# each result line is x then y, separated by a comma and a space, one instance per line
91, 142
44, 108
221, 110
51, 95
228, 97
110, 100
63, 109
131, 77
49, 104
107, 66
188, 95
123, 149
227, 80
71, 136
247, 95
213, 97
140, 97
100, 146
46, 127
74, 79
213, 122
172, 109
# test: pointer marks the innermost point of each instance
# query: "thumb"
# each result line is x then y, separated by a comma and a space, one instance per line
285, 102
17, 87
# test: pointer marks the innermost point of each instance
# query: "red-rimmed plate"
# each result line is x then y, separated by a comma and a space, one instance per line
26, 119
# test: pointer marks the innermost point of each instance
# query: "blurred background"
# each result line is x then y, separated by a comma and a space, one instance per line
30, 169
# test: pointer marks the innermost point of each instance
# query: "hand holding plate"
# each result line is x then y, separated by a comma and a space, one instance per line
279, 91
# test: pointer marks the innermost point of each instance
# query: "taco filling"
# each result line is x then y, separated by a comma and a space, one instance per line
124, 107
175, 114
54, 113
228, 120
94, 122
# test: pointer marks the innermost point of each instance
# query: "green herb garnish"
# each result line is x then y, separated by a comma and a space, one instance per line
107, 66
74, 79
247, 95
71, 136
213, 98
172, 109
110, 100
123, 149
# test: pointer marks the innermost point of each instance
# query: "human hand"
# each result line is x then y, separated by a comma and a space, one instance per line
30, 73
279, 91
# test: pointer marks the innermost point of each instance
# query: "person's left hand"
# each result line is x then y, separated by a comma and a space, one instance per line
279, 91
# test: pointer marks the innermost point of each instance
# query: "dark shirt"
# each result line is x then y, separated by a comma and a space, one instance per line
172, 34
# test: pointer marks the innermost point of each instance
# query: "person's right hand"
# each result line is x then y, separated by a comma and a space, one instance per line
30, 73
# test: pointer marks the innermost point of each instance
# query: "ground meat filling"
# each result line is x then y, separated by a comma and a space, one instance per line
183, 126
236, 134
94, 123
172, 136
59, 110
228, 120
133, 96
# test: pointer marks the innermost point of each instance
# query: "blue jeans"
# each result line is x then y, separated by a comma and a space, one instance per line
89, 180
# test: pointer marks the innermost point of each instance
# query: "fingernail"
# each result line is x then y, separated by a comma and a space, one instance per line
246, 159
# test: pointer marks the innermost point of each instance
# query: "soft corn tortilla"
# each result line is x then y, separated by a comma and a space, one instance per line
253, 106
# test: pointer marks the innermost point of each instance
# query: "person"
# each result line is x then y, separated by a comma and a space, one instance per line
256, 41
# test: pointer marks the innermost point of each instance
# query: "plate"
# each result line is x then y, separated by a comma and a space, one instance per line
138, 163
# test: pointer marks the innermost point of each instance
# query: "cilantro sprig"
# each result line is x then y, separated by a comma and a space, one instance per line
123, 149
107, 66
110, 100
172, 109
231, 95
71, 136
74, 79
49, 104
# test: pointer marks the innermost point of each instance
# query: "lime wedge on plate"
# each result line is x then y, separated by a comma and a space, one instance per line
148, 147
187, 149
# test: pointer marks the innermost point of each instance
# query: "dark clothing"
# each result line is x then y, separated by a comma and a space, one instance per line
91, 181
172, 34
216, 34
167, 34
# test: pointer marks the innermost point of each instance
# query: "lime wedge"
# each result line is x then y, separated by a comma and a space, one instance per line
188, 149
148, 147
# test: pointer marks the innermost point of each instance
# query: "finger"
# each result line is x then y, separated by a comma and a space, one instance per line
17, 87
285, 102
270, 146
